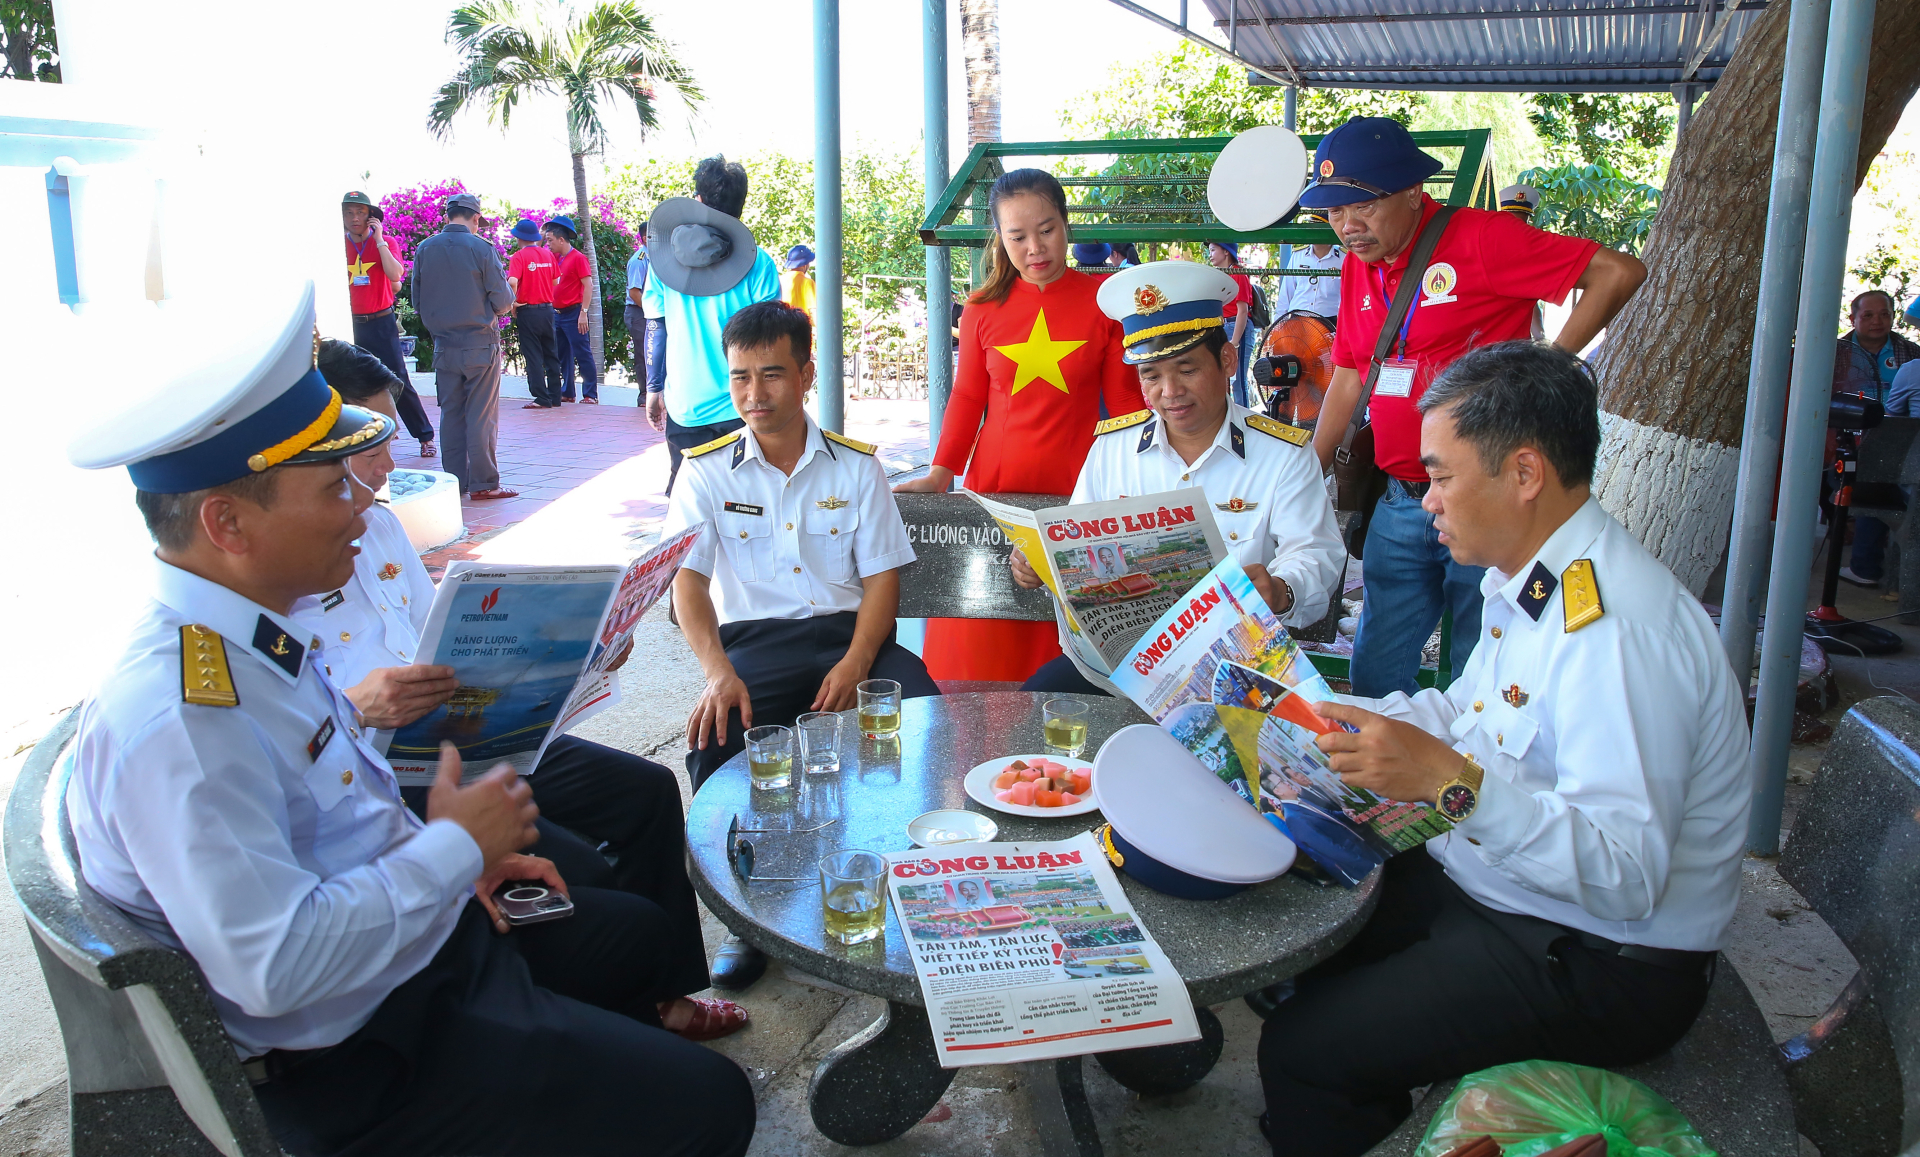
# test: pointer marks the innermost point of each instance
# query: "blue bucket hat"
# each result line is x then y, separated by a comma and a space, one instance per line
1092, 253
1232, 248
564, 223
799, 257
526, 230
1363, 160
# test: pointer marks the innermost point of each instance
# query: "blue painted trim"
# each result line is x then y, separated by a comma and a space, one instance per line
66, 270
30, 142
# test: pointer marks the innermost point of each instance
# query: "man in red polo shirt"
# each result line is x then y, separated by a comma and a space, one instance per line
1481, 285
530, 274
572, 281
374, 272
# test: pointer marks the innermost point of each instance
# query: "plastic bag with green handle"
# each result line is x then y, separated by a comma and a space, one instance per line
1531, 1107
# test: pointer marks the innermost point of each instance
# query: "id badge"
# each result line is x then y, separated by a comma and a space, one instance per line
1395, 379
363, 279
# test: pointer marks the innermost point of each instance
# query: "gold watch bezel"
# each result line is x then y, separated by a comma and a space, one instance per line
1471, 777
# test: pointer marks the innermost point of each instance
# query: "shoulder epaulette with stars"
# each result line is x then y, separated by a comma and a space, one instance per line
710, 447
849, 443
1279, 429
1580, 595
1122, 422
204, 676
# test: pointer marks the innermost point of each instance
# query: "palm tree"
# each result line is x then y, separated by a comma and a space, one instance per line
588, 55
980, 42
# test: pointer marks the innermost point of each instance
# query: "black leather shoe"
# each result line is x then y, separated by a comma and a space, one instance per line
1265, 1001
737, 965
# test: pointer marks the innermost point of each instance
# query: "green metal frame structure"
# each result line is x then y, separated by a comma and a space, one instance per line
1098, 211
1182, 215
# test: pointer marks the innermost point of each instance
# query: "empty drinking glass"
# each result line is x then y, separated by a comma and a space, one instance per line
819, 733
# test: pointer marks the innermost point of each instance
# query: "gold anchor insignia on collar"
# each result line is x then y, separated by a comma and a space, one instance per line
1515, 697
1537, 591
279, 646
831, 502
390, 571
1236, 505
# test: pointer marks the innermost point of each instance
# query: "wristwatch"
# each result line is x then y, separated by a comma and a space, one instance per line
1460, 795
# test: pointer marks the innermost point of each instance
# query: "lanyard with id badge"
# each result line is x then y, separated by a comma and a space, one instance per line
1397, 373
362, 264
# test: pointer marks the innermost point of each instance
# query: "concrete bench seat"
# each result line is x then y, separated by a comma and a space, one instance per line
150, 1069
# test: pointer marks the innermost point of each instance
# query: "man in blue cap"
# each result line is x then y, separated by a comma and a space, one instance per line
225, 795
530, 276
796, 283
462, 295
1480, 286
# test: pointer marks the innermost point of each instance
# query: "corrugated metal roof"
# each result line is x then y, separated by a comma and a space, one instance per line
1491, 45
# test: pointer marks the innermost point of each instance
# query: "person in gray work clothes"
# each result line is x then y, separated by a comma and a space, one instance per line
461, 293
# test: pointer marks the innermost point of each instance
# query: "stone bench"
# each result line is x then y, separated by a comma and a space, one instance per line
1855, 856
149, 1067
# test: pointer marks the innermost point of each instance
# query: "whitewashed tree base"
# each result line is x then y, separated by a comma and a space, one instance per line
1674, 493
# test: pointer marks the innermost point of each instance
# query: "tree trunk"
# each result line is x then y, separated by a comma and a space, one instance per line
980, 40
1673, 372
596, 332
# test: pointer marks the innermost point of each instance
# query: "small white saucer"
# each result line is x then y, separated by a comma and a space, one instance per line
951, 826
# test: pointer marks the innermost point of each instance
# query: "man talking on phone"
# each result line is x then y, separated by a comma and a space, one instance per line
225, 796
1480, 286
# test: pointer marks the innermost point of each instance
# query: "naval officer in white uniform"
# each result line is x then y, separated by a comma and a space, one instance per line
373, 625
1260, 474
789, 603
1594, 757
225, 796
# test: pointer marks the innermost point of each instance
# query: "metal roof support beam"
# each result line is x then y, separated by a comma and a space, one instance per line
1288, 75
933, 90
1336, 70
1588, 12
1772, 357
1829, 213
1682, 109
827, 339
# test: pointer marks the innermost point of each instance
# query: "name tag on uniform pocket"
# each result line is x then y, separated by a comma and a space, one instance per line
320, 739
1395, 379
333, 600
744, 508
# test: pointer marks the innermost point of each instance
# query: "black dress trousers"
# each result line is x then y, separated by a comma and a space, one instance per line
1438, 985
379, 335
783, 661
544, 1041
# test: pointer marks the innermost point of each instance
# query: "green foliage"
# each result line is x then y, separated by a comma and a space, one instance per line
1883, 246
27, 47
1188, 92
1631, 132
1595, 201
882, 198
514, 49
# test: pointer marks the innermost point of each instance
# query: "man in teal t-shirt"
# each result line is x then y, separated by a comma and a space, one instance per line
703, 268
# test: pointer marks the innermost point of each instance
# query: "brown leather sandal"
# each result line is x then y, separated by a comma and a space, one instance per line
712, 1019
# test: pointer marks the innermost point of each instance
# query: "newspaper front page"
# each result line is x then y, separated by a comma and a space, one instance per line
531, 647
1114, 567
1026, 952
1224, 677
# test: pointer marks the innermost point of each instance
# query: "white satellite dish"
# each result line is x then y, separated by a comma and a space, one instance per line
1257, 178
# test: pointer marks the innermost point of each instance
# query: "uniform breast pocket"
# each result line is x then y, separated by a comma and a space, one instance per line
830, 534
1496, 731
1245, 532
748, 541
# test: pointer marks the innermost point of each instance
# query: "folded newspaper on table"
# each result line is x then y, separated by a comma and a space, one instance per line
1221, 674
1030, 951
531, 647
1113, 567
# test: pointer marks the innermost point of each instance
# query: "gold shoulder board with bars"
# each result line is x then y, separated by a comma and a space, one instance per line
858, 447
1122, 422
204, 676
710, 447
1279, 429
1580, 595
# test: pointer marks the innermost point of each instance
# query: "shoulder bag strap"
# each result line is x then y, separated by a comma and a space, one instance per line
1423, 247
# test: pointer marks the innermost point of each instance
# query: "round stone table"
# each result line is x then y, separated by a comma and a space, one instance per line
883, 1081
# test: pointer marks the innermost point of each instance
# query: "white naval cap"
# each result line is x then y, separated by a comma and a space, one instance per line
257, 402
1257, 178
1165, 306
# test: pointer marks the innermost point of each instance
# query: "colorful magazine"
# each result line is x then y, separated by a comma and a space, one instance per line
1222, 675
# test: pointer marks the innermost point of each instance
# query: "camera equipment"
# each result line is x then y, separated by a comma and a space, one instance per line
530, 902
1850, 415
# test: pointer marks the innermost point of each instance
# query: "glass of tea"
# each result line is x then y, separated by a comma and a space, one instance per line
879, 708
851, 895
770, 757
1064, 724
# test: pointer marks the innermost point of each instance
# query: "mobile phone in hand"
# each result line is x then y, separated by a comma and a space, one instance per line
530, 902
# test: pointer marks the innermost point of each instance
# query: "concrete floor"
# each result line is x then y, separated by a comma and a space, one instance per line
1783, 951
